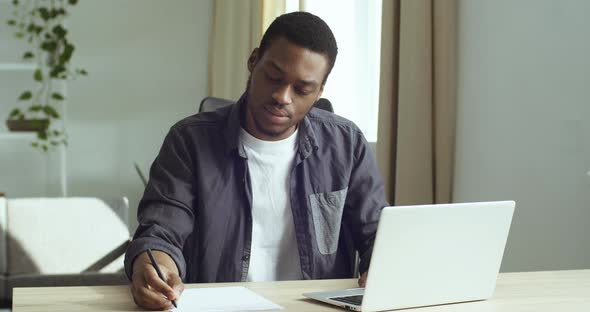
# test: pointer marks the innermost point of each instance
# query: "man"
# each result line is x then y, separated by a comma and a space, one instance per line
266, 189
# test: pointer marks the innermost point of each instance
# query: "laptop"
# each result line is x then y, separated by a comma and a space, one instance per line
429, 255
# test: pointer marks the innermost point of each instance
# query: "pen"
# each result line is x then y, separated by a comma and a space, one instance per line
155, 264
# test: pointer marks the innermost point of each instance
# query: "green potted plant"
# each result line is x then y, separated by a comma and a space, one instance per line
41, 24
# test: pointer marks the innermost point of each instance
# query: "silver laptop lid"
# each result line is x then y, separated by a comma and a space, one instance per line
434, 254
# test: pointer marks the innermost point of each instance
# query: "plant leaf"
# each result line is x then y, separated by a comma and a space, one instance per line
42, 135
35, 108
56, 71
49, 45
11, 22
53, 13
44, 13
57, 96
67, 53
59, 31
19, 35
15, 114
72, 2
27, 95
50, 111
28, 55
38, 76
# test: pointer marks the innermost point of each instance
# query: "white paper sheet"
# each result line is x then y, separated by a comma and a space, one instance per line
220, 299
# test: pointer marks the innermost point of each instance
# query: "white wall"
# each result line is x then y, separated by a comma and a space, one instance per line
23, 170
147, 64
524, 124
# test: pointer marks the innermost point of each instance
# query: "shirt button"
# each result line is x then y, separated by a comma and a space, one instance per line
246, 257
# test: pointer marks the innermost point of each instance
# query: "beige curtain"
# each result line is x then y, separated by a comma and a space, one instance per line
417, 109
237, 28
270, 10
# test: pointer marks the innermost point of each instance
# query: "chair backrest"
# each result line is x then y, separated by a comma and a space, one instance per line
211, 103
324, 104
120, 206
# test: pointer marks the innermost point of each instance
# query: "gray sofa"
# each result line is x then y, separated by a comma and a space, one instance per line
71, 241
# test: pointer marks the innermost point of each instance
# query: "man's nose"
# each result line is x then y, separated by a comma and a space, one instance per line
282, 95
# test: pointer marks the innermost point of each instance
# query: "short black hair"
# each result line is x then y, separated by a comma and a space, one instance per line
303, 29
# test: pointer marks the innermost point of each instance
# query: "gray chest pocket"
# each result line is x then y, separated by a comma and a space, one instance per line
327, 210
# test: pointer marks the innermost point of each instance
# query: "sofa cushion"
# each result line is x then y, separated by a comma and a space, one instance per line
61, 235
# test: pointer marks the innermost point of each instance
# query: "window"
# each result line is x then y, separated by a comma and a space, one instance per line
353, 85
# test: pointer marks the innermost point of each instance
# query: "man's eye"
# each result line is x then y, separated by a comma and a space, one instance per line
302, 92
275, 79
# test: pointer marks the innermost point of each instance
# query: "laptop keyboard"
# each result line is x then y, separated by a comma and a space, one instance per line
357, 300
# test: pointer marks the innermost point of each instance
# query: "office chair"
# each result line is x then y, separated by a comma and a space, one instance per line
211, 103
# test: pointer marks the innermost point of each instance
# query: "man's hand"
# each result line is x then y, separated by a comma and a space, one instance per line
148, 290
363, 279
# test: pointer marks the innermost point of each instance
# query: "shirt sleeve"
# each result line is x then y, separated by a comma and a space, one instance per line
165, 212
364, 201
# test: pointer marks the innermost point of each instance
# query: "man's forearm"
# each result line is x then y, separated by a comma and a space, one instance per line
138, 247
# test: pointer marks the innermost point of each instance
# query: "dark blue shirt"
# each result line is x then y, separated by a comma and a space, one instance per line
197, 204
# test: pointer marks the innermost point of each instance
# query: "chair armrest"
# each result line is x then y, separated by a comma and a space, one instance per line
108, 258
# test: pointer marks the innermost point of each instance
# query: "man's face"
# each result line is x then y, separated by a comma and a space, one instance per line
284, 84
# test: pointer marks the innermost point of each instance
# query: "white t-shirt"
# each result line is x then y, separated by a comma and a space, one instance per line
274, 255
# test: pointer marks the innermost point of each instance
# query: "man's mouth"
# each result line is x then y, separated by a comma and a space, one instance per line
277, 112
276, 116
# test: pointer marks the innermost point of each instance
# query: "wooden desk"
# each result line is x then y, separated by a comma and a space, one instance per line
523, 292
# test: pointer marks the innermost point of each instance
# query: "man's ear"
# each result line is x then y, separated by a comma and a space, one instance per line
252, 60
320, 93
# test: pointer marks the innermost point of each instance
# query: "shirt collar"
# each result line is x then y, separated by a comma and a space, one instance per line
307, 137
